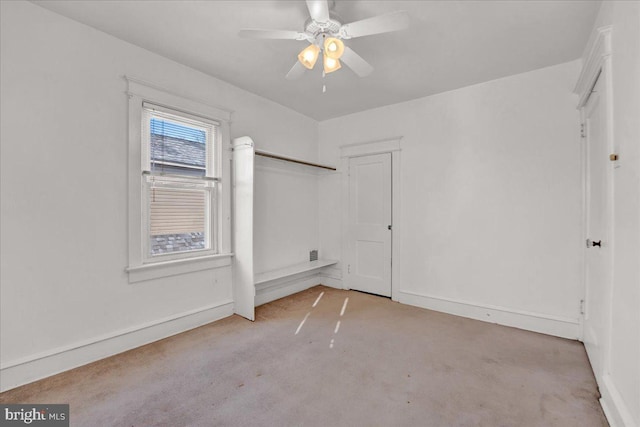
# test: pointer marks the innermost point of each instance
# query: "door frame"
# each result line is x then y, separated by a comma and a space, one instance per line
598, 66
348, 151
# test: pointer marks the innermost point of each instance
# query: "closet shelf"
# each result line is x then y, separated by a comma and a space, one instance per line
291, 159
291, 270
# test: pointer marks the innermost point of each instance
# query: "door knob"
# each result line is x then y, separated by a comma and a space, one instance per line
591, 243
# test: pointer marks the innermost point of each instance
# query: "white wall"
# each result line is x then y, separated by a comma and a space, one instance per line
64, 194
490, 198
286, 214
620, 388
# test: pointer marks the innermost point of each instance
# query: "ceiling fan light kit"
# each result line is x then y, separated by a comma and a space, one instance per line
325, 33
333, 48
331, 64
309, 55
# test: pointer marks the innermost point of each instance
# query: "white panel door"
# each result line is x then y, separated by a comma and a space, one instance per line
369, 227
598, 245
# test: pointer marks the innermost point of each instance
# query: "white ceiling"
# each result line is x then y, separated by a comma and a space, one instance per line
449, 44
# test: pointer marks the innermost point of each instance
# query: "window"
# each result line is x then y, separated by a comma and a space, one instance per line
179, 180
179, 202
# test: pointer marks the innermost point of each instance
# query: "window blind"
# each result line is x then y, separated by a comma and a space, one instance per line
177, 211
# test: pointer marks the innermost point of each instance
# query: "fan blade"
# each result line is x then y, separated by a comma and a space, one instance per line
319, 10
272, 34
393, 21
296, 71
354, 61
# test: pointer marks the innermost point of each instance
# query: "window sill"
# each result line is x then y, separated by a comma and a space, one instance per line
156, 270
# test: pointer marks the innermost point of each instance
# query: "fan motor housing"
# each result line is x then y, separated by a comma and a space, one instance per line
331, 27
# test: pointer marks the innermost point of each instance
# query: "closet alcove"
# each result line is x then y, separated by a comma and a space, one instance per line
275, 226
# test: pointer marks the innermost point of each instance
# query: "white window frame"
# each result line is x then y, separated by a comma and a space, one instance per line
143, 266
206, 183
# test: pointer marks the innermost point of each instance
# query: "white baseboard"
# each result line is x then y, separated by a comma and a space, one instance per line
613, 405
35, 367
331, 281
289, 285
281, 288
536, 322
332, 271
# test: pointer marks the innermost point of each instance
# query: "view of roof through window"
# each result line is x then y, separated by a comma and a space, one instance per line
177, 148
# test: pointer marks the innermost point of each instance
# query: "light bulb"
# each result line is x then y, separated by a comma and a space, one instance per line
309, 55
333, 47
330, 64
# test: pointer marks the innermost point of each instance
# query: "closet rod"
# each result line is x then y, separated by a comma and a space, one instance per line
289, 159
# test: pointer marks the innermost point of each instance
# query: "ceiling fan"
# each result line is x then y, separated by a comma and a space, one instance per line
325, 33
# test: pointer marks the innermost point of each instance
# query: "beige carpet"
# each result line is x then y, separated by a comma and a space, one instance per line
386, 364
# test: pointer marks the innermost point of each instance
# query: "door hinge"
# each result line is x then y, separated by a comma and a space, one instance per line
581, 306
583, 131
348, 268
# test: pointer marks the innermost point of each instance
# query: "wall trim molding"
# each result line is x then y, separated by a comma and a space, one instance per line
139, 266
284, 287
598, 65
599, 49
369, 148
348, 151
330, 281
45, 364
142, 87
530, 321
613, 405
177, 266
289, 285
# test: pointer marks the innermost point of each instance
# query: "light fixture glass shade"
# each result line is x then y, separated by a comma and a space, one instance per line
309, 55
331, 64
333, 48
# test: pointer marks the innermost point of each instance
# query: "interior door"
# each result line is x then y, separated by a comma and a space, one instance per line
598, 243
369, 226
